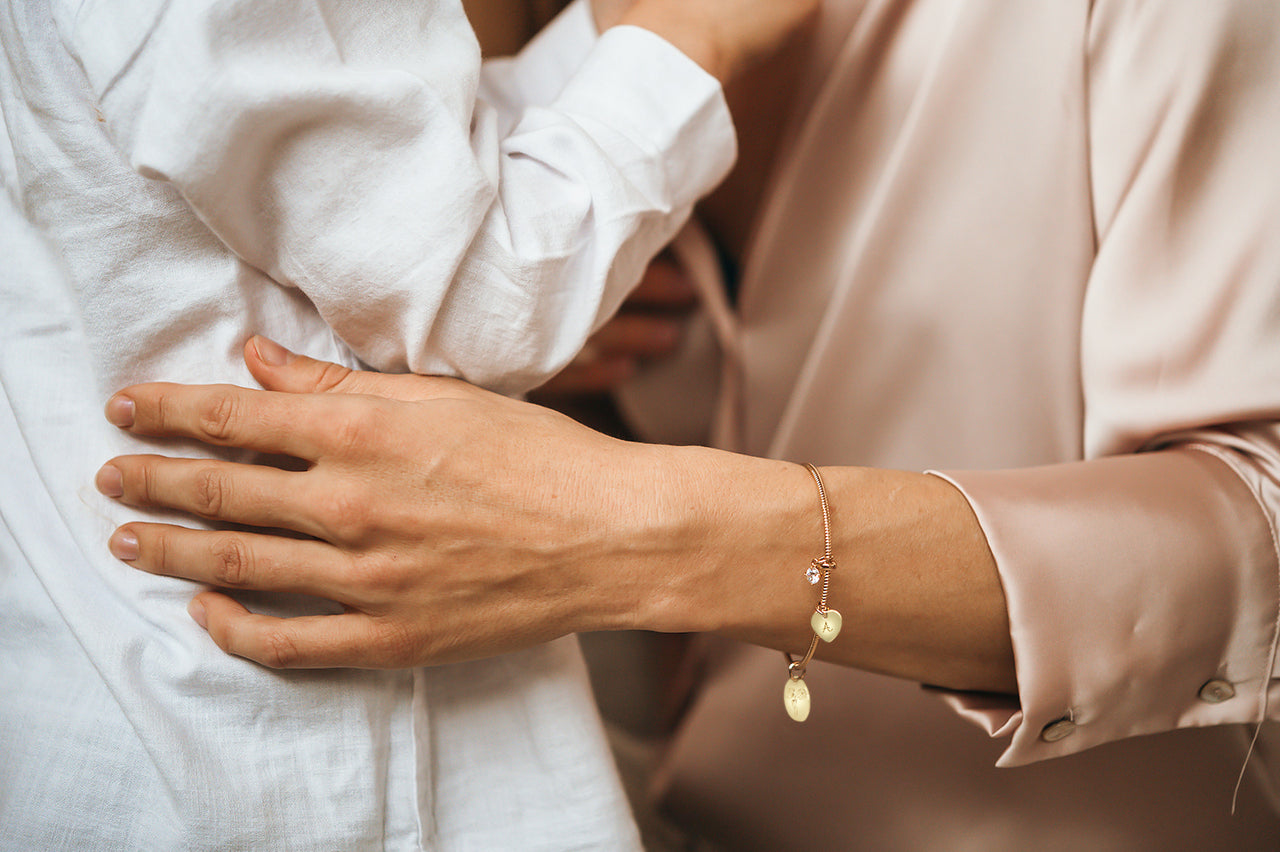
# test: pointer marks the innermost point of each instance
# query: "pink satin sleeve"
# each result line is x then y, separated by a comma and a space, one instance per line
1141, 590
1142, 583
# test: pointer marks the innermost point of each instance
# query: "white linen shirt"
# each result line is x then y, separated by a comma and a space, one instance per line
346, 179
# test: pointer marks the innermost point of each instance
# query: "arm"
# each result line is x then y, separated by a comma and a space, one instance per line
596, 533
1173, 515
1137, 577
342, 150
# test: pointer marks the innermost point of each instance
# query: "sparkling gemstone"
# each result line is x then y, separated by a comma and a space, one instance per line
812, 575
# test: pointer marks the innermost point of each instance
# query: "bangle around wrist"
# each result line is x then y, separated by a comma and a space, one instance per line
825, 621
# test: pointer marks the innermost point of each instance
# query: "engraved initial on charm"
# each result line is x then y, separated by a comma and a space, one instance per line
826, 626
795, 697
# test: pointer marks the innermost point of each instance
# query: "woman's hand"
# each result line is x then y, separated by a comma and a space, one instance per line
647, 328
608, 13
450, 522
725, 37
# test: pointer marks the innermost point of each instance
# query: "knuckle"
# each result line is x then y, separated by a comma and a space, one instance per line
157, 548
376, 577
356, 428
211, 489
398, 644
144, 483
346, 515
331, 377
218, 415
279, 650
163, 406
232, 562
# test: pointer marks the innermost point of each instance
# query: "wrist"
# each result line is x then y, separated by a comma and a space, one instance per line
644, 567
723, 543
688, 33
736, 523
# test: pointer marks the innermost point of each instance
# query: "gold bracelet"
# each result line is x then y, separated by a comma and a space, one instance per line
826, 622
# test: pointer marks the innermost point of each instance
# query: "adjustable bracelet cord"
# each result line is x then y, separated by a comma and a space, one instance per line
826, 622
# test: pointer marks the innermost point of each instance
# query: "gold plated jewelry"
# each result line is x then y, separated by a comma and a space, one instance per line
825, 621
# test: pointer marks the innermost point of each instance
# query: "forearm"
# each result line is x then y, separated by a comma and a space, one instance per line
916, 583
454, 524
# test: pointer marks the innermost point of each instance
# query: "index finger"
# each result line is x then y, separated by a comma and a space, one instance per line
226, 416
665, 285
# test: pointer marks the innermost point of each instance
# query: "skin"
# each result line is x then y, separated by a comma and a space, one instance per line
651, 323
648, 327
453, 524
725, 37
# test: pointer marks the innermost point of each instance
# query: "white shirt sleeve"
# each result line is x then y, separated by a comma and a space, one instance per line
346, 149
539, 72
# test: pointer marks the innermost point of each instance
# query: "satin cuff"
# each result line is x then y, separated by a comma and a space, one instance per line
1142, 596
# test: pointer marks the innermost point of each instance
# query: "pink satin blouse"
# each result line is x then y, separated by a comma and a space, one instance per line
1036, 246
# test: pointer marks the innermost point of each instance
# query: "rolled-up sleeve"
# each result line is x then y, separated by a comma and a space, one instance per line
348, 150
1143, 583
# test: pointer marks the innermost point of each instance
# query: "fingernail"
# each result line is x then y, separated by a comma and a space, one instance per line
120, 411
124, 546
270, 352
195, 609
110, 481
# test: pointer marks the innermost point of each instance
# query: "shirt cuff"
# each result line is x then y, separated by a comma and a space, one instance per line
537, 74
642, 91
1142, 596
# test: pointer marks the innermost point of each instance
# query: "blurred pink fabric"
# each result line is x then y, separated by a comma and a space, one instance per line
1037, 246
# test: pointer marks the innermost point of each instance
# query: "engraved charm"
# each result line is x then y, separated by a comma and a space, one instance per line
826, 626
795, 697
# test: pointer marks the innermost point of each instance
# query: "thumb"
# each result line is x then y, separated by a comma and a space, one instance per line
278, 369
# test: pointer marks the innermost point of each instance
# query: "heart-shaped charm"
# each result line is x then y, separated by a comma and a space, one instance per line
795, 697
826, 625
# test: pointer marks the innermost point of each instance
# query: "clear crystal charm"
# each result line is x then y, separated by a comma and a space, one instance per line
813, 575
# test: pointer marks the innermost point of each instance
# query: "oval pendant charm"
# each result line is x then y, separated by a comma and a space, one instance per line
826, 626
795, 697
